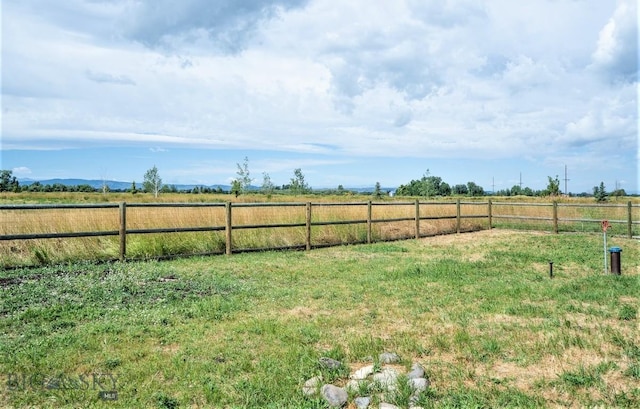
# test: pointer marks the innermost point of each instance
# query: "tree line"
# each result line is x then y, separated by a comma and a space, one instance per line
429, 186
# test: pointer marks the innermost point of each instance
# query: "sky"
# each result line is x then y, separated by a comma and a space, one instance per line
497, 92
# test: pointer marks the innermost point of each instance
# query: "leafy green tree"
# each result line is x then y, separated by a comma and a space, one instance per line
599, 193
152, 182
134, 190
267, 185
474, 190
553, 188
460, 189
236, 187
298, 185
8, 183
618, 193
244, 176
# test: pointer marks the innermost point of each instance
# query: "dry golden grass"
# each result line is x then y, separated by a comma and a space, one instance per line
324, 209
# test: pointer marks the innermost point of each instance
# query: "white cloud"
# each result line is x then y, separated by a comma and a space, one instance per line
616, 53
21, 171
497, 79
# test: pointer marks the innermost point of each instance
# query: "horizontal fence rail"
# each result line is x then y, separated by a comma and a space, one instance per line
553, 216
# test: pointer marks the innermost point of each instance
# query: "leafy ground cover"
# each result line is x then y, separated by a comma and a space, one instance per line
478, 311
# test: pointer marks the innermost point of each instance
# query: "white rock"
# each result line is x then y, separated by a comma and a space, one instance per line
354, 385
311, 386
385, 405
363, 372
387, 378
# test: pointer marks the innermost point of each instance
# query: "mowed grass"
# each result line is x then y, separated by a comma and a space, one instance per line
477, 310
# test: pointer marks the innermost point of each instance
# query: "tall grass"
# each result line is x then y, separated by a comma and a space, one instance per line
44, 251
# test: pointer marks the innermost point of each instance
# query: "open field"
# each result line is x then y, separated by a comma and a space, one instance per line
477, 310
144, 214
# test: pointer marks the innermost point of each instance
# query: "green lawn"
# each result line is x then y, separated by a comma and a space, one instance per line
477, 310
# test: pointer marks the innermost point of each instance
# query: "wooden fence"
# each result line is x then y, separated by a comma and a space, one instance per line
493, 214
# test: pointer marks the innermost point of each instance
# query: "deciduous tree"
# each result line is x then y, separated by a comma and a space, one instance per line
298, 185
244, 176
152, 182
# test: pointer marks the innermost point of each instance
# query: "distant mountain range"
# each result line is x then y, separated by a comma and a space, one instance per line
118, 185
111, 184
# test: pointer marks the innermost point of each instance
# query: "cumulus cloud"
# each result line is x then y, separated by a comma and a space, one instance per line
226, 25
402, 78
616, 54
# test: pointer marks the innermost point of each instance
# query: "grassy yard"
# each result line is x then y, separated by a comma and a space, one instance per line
478, 311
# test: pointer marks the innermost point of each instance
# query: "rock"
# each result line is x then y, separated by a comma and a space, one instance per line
417, 371
387, 378
363, 372
419, 384
311, 386
385, 405
389, 358
335, 396
363, 402
330, 363
354, 385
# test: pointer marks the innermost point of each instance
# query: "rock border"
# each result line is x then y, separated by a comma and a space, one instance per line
379, 380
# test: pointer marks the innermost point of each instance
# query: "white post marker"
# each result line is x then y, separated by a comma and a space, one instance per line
605, 226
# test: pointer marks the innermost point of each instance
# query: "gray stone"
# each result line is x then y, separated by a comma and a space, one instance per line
387, 378
417, 371
363, 372
335, 396
389, 358
385, 405
419, 384
330, 363
363, 402
311, 386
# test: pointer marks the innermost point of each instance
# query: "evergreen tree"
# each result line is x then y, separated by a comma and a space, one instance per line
599, 193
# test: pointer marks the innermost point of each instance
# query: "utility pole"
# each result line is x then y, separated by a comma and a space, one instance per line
565, 180
493, 185
520, 181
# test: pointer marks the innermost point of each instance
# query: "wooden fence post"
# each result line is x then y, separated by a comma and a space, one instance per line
308, 222
123, 231
229, 249
629, 221
555, 216
490, 215
369, 217
417, 218
458, 215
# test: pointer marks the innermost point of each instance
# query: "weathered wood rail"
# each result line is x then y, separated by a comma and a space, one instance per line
492, 212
